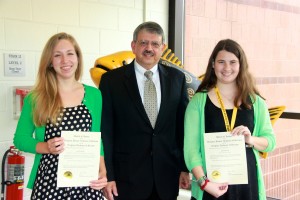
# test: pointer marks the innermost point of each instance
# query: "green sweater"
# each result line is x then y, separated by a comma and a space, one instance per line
27, 135
194, 129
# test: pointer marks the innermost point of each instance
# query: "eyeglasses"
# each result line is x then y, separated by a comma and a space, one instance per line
145, 43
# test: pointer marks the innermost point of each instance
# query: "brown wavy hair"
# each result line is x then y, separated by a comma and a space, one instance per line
245, 81
47, 101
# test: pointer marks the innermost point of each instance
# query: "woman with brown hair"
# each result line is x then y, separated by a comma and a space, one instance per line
227, 101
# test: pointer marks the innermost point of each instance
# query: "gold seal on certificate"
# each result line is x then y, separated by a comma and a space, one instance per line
216, 175
68, 174
225, 157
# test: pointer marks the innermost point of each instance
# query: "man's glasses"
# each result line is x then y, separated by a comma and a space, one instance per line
145, 43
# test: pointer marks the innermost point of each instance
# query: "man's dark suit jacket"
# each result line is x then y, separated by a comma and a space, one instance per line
136, 155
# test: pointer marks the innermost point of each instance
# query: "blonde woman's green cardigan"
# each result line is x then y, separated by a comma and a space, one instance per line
27, 135
194, 129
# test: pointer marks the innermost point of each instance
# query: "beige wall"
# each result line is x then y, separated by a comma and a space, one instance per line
269, 32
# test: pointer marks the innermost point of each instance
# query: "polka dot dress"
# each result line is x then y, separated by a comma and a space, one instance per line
72, 119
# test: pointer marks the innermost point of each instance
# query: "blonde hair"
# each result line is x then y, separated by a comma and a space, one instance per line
47, 101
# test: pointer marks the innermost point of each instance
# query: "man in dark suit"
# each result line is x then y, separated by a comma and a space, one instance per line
144, 157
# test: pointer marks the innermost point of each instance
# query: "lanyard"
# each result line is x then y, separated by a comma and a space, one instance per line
230, 126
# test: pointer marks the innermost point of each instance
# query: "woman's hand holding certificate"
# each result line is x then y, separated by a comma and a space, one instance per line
225, 158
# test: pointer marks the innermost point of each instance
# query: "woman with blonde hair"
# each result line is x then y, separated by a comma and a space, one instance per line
58, 102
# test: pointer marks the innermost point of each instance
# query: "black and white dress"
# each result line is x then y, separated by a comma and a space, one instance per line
75, 118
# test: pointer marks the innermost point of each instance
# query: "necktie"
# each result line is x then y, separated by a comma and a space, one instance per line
150, 99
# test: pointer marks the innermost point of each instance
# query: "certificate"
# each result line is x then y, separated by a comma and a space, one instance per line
225, 157
79, 163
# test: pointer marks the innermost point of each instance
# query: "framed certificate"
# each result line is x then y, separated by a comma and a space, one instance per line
225, 157
79, 163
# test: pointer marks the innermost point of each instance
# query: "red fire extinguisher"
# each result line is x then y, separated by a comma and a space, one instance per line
15, 175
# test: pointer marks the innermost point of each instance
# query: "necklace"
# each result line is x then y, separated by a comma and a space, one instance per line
229, 126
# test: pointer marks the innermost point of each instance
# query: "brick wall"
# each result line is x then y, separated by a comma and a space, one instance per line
269, 32
282, 172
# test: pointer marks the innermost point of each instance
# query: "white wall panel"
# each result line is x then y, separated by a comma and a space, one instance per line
27, 36
2, 38
113, 41
129, 19
16, 9
101, 27
56, 11
98, 15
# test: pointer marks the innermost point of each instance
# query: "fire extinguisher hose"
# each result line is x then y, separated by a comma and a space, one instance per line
3, 182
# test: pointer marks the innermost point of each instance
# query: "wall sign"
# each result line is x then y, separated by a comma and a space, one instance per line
14, 64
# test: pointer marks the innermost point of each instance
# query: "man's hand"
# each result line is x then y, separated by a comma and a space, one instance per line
110, 190
98, 184
184, 180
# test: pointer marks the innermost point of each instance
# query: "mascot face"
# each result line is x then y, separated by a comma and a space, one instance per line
118, 59
110, 62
